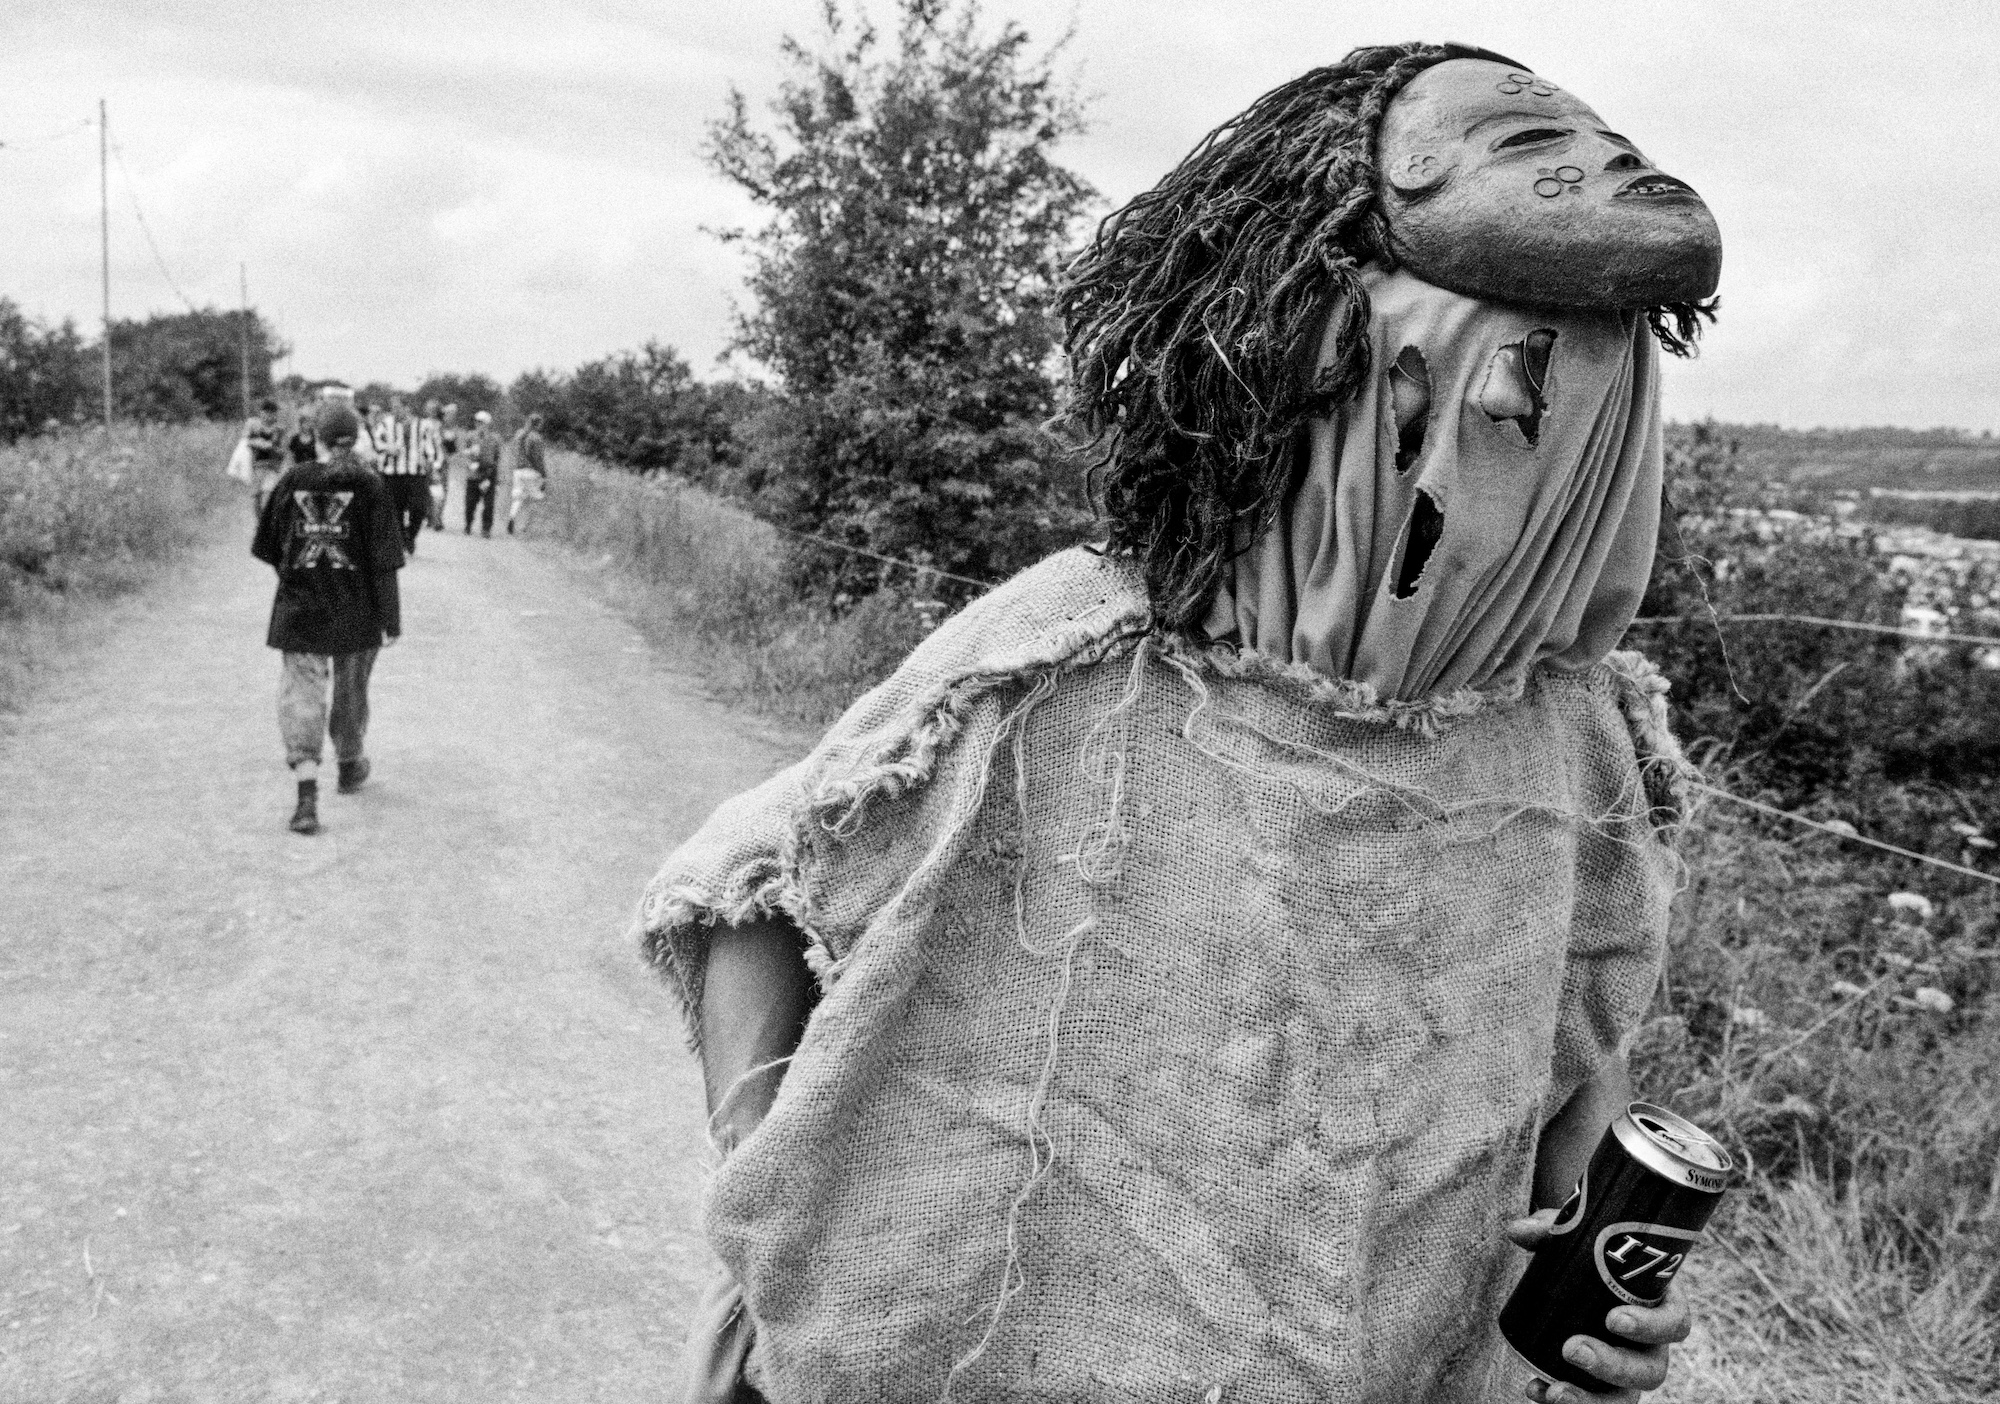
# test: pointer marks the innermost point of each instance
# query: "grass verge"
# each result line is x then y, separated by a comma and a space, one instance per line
711, 585
86, 516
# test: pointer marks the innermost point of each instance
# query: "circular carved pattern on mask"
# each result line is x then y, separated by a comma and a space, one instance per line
1554, 182
1420, 167
1515, 83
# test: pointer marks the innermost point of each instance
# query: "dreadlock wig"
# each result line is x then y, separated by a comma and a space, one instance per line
1192, 319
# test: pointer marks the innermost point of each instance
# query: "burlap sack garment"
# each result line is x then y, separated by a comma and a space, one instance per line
1191, 1014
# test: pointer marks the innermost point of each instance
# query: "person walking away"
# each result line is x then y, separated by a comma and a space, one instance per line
429, 453
331, 533
482, 475
302, 447
408, 480
449, 437
264, 435
531, 474
339, 392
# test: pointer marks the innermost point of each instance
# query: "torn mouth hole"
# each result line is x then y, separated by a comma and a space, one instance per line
1516, 381
1409, 404
1420, 538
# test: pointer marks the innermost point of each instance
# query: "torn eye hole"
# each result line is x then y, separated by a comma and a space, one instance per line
1530, 137
1536, 350
1516, 381
1420, 538
1409, 404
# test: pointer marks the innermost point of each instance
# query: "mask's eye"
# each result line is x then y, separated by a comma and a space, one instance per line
1534, 136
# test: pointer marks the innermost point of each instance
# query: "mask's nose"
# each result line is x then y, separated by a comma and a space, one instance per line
1625, 161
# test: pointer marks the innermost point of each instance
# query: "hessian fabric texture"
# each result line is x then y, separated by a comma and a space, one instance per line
1190, 1016
1488, 500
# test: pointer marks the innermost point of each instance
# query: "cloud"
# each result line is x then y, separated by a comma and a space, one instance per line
511, 184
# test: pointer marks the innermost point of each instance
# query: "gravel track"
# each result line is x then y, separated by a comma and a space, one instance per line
392, 1113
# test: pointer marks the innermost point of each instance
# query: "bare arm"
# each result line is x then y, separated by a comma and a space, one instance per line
1572, 1133
755, 998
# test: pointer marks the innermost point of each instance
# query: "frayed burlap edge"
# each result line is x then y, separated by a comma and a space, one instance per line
1345, 698
1664, 768
674, 921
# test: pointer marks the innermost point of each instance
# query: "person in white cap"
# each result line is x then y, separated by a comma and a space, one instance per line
482, 475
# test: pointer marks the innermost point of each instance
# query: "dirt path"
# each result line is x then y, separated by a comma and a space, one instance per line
387, 1114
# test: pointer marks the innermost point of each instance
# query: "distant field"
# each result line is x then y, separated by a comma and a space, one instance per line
1933, 460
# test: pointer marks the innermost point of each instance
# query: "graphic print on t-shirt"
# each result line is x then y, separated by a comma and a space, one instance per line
323, 531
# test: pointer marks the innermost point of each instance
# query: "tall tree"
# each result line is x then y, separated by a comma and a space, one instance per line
45, 374
189, 365
642, 409
903, 284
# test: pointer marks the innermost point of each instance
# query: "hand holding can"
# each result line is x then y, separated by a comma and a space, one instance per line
1614, 1248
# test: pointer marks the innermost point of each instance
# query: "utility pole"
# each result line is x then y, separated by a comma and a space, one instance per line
243, 284
104, 242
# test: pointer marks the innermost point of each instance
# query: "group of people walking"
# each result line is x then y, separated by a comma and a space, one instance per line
341, 501
413, 455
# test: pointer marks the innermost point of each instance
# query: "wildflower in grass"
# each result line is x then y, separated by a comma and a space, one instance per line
1896, 961
1749, 1017
1914, 904
1933, 999
1847, 989
1841, 826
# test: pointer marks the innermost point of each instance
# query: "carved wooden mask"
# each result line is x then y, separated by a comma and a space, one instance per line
1499, 185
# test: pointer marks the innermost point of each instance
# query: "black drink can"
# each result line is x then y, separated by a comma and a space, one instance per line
1650, 1187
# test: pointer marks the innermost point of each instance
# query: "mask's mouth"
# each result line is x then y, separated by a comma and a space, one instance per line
1656, 187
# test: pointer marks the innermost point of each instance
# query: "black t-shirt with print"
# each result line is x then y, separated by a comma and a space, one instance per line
331, 532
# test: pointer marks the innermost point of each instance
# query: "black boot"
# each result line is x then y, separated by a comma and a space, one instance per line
353, 775
305, 819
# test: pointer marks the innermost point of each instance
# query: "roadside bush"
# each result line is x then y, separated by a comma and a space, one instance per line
915, 221
642, 410
1896, 740
84, 515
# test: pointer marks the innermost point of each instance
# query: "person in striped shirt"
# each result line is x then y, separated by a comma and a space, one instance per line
409, 479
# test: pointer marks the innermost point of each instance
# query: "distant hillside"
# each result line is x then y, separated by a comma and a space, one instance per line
1934, 460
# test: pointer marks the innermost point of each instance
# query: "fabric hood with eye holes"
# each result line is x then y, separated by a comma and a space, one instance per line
1488, 501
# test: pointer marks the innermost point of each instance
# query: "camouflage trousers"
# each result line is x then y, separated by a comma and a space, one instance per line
304, 717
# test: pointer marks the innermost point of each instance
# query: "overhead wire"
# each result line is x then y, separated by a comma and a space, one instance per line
61, 134
132, 193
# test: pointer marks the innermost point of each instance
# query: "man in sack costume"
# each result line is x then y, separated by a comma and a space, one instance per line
1175, 981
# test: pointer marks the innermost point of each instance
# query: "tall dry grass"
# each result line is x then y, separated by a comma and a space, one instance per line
86, 515
1837, 1021
1847, 1046
711, 585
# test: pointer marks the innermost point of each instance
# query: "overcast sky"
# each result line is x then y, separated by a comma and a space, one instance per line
512, 184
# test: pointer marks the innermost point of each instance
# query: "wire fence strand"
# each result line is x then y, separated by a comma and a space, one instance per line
132, 193
886, 560
1858, 625
1831, 831
1842, 834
